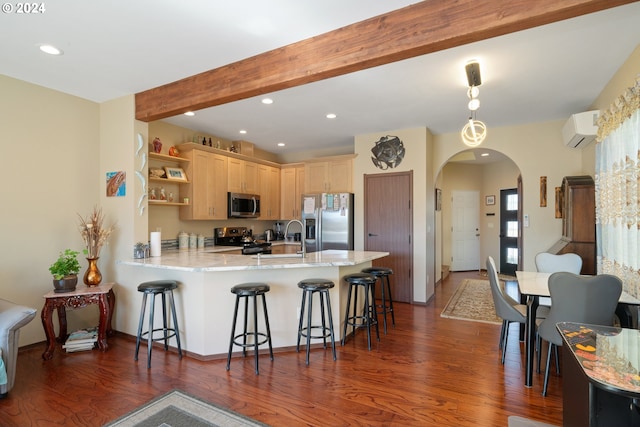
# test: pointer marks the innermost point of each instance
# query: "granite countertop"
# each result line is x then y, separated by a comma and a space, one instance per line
214, 259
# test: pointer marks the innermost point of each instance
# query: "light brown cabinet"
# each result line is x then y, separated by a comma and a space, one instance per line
292, 189
242, 176
285, 249
269, 179
208, 190
335, 175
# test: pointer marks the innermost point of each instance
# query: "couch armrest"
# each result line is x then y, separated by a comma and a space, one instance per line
12, 318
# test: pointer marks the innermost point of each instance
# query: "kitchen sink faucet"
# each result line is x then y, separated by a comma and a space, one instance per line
302, 238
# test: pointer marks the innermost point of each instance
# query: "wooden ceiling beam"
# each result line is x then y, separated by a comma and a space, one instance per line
425, 27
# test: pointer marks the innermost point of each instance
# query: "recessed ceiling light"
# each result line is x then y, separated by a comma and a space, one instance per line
331, 116
242, 131
190, 113
484, 155
267, 101
51, 50
281, 144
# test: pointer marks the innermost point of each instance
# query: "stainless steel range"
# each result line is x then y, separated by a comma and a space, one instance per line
242, 238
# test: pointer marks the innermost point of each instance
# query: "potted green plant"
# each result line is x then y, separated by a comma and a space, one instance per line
65, 271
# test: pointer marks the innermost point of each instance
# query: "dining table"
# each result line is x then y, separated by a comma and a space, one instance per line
533, 285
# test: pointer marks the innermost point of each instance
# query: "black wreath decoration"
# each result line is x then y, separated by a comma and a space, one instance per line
388, 152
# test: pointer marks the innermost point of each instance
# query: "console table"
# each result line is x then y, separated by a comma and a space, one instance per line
83, 296
601, 382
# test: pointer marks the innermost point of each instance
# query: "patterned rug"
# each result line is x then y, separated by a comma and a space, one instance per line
472, 301
178, 409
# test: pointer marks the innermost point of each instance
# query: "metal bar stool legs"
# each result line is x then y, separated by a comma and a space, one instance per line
369, 315
382, 274
321, 287
165, 289
250, 291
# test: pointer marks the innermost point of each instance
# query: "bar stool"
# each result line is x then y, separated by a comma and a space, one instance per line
165, 289
382, 274
310, 287
247, 291
369, 315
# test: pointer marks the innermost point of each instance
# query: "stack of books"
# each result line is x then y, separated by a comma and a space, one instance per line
82, 339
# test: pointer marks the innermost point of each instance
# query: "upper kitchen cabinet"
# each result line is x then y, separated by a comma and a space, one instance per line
333, 174
291, 191
242, 176
269, 178
208, 190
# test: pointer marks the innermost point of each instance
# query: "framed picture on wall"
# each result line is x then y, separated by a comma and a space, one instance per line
490, 200
438, 199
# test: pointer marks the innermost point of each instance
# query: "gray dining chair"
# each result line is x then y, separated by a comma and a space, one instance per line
508, 309
553, 263
581, 299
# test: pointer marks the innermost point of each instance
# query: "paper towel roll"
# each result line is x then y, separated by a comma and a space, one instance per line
156, 243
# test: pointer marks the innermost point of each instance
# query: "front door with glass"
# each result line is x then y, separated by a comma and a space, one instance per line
509, 231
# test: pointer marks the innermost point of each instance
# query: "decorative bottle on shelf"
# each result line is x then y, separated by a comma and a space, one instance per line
204, 140
210, 143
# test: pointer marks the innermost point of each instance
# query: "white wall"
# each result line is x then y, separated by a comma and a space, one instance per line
50, 150
536, 150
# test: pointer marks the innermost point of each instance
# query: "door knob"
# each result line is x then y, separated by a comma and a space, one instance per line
372, 235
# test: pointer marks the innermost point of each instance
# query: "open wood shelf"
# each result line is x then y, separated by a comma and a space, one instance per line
165, 180
167, 158
156, 203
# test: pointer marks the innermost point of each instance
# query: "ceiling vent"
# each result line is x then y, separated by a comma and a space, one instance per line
580, 130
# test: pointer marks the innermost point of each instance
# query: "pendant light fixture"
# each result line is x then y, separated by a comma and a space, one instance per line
474, 131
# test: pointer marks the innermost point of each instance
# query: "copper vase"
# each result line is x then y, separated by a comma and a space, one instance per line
92, 277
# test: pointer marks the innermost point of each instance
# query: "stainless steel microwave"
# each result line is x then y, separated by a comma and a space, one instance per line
243, 205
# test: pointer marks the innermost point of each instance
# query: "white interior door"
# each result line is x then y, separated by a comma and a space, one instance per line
465, 231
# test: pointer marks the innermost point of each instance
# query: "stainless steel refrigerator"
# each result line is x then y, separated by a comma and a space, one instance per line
328, 221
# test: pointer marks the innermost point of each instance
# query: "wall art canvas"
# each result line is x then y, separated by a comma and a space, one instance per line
116, 184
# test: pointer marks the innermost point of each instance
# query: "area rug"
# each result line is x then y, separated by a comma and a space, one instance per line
472, 301
178, 409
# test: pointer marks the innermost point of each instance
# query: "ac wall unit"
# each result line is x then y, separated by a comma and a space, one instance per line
580, 130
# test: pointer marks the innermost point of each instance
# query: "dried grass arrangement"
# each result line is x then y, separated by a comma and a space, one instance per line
94, 233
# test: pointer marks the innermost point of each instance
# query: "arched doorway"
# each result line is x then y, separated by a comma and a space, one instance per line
486, 172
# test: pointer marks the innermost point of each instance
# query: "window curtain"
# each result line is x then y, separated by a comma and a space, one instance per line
617, 190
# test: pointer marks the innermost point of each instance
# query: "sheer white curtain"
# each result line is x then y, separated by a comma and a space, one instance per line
617, 190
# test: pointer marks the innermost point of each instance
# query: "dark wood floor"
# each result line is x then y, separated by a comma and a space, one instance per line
426, 371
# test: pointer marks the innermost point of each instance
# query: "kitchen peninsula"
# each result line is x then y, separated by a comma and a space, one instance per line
205, 304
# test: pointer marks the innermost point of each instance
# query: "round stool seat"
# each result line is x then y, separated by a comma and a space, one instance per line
378, 271
315, 284
249, 289
361, 278
157, 286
